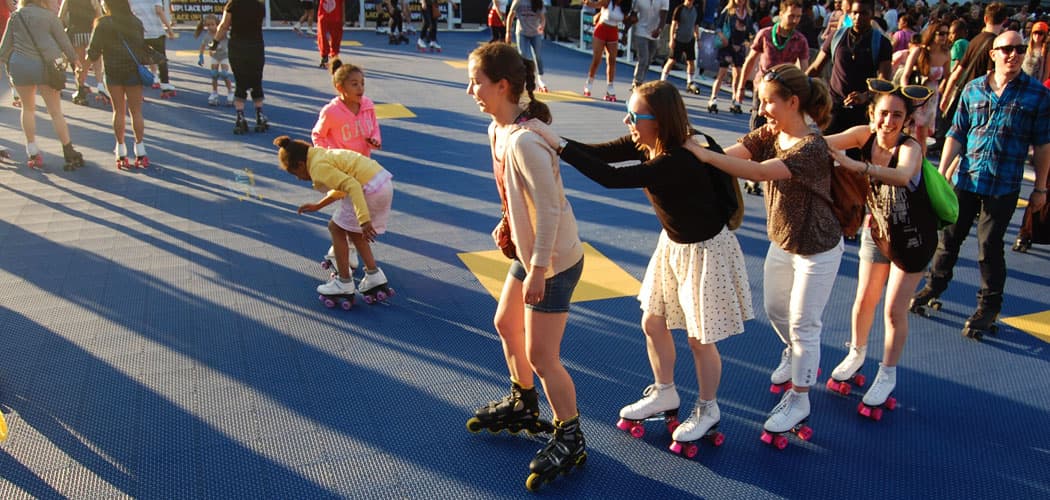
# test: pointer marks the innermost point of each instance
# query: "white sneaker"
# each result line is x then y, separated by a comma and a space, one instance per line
854, 360
336, 287
792, 409
882, 387
705, 416
654, 400
371, 281
229, 99
782, 373
213, 100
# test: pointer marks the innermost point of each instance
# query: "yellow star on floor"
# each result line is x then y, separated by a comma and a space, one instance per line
1036, 324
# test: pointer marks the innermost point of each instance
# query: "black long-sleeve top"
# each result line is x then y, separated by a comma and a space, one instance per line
692, 200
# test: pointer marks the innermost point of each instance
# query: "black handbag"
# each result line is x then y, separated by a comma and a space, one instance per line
54, 71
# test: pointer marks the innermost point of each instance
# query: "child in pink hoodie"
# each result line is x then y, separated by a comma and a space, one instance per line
348, 121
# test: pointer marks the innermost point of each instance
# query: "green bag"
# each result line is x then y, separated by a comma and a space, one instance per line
942, 195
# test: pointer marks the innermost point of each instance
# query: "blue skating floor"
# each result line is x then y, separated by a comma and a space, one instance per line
160, 335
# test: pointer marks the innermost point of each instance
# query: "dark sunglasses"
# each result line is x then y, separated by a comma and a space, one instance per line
913, 92
942, 33
1010, 49
1038, 32
633, 118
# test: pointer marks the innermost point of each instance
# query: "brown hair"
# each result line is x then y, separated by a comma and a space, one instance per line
501, 61
995, 12
665, 103
813, 96
787, 4
291, 152
341, 71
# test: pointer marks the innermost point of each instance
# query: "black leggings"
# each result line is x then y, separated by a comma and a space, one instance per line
396, 22
247, 60
429, 32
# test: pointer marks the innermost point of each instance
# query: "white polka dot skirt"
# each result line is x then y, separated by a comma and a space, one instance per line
699, 287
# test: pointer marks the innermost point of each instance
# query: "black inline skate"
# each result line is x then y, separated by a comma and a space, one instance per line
74, 159
565, 451
241, 126
81, 96
517, 411
261, 123
925, 302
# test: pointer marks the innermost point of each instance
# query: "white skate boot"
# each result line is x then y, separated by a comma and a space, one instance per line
846, 373
434, 47
878, 396
701, 424
329, 263
587, 87
374, 287
657, 402
336, 292
781, 376
789, 415
421, 45
610, 93
213, 99
141, 158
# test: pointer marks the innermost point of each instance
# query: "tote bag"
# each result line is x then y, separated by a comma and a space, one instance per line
942, 195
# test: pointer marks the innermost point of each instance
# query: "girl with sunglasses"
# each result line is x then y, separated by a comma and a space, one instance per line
1034, 63
926, 65
896, 245
805, 236
533, 307
696, 279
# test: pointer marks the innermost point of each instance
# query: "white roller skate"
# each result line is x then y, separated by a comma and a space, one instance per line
141, 159
229, 99
34, 159
213, 99
610, 93
374, 287
847, 372
167, 91
337, 292
701, 424
657, 402
781, 376
587, 87
121, 153
540, 86
328, 263
434, 47
421, 45
878, 396
789, 415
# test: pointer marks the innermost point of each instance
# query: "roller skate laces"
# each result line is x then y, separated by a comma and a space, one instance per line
335, 291
701, 424
565, 451
786, 415
846, 373
657, 402
514, 413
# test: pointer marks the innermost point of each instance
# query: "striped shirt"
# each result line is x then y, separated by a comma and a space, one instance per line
996, 132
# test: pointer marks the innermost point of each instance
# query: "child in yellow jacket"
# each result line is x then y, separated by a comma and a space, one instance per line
365, 191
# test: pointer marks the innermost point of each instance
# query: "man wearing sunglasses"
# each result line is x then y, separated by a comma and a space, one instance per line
1000, 116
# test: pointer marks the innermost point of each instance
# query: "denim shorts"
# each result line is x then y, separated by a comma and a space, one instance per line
557, 290
869, 252
24, 70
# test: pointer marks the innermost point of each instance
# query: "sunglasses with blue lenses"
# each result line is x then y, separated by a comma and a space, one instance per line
633, 118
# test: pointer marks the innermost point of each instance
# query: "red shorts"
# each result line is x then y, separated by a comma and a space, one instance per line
606, 33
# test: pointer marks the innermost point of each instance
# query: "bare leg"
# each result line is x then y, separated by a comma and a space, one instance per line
53, 101
27, 94
134, 97
120, 110
341, 249
901, 287
871, 279
510, 324
610, 60
364, 249
596, 58
660, 346
543, 335
708, 364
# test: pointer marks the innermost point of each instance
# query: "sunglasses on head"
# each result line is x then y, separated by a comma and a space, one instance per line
633, 118
1010, 49
773, 76
913, 92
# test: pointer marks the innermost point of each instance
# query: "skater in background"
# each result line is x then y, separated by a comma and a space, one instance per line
531, 17
157, 26
79, 16
926, 65
219, 58
367, 191
735, 30
901, 234
33, 39
1035, 60
497, 20
116, 35
305, 24
547, 262
428, 34
781, 43
805, 236
696, 279
348, 121
606, 40
329, 29
242, 22
685, 31
1000, 115
396, 10
646, 36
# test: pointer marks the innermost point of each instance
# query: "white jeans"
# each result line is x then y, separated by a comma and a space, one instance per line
796, 290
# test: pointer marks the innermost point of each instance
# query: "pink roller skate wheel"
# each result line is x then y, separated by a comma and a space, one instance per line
329, 303
775, 389
780, 442
864, 410
718, 439
845, 388
691, 450
672, 424
369, 299
831, 385
675, 447
380, 295
860, 379
325, 264
346, 304
767, 437
637, 430
876, 414
623, 425
891, 403
805, 433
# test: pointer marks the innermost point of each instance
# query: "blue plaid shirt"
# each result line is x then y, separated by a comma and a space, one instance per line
996, 131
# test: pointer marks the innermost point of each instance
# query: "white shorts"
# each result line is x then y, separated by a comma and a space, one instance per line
378, 199
220, 62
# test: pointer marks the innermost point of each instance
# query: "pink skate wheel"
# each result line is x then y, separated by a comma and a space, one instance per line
346, 304
831, 385
860, 379
675, 447
623, 425
637, 430
380, 295
672, 424
780, 442
325, 264
691, 450
329, 303
864, 410
891, 403
718, 439
369, 299
844, 388
876, 414
805, 433
767, 437
390, 292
